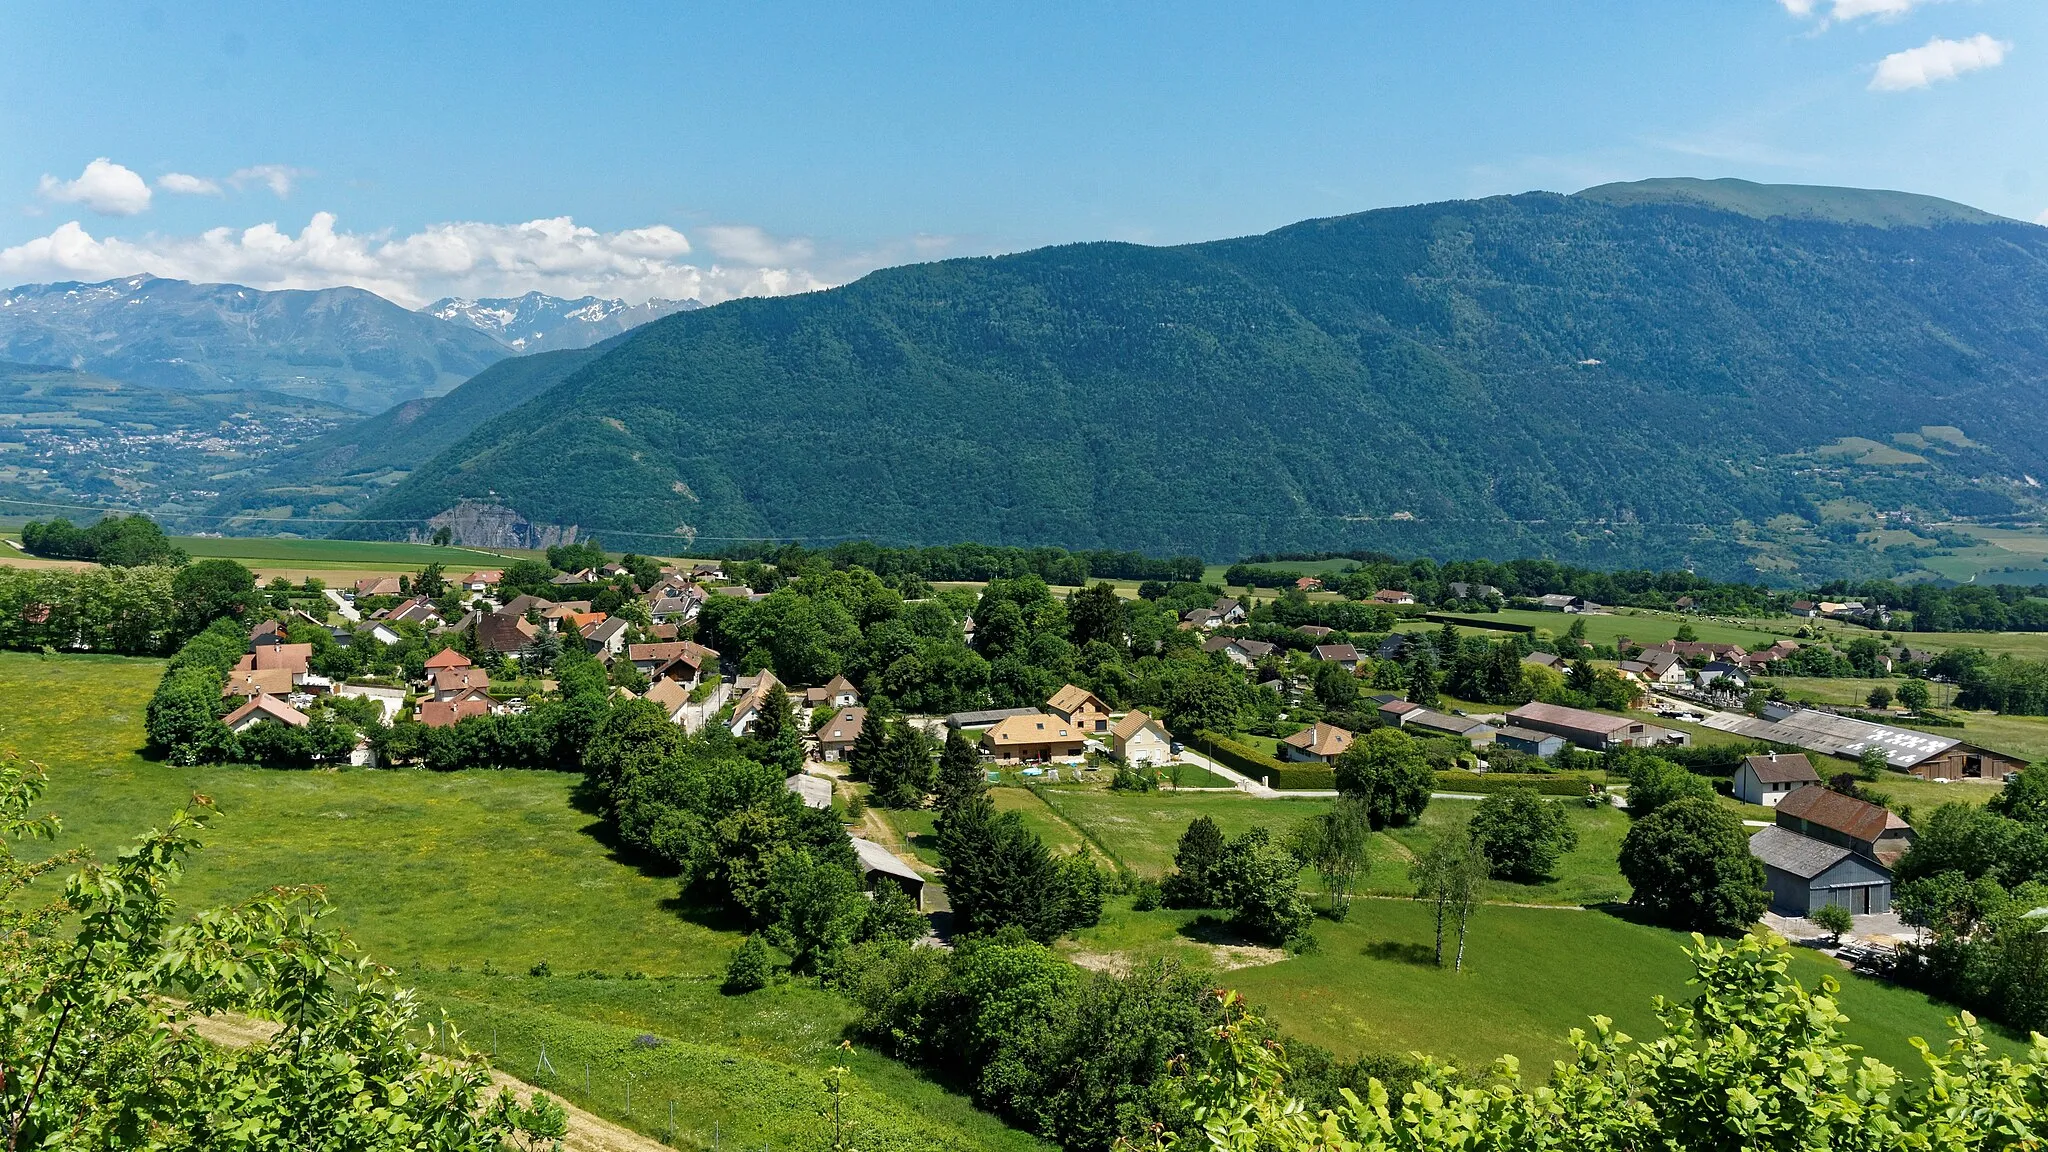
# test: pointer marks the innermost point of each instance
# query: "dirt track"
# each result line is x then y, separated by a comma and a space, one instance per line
587, 1133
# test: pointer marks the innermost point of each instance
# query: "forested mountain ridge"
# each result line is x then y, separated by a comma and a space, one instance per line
1643, 382
343, 469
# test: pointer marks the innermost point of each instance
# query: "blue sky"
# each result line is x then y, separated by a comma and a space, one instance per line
719, 149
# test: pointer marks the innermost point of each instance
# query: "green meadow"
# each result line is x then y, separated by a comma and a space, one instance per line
466, 881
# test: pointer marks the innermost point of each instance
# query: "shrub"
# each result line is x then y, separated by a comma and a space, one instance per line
1521, 834
1834, 918
748, 971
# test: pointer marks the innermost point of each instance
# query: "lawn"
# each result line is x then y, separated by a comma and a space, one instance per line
1530, 975
1641, 625
916, 826
463, 881
1141, 830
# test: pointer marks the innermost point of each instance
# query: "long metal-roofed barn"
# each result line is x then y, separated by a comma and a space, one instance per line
1908, 750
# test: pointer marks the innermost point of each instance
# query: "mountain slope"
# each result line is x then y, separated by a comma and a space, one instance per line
1602, 381
339, 472
538, 322
341, 345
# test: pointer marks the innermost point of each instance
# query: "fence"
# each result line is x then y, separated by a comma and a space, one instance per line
1259, 766
1545, 783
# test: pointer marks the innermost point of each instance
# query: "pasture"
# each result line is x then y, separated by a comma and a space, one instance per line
1141, 830
464, 881
1531, 974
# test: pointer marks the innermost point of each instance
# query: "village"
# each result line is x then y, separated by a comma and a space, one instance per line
1818, 845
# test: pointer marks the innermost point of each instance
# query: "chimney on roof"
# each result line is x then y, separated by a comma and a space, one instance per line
1774, 755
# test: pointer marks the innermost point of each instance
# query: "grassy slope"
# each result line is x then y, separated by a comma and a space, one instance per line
434, 873
1531, 975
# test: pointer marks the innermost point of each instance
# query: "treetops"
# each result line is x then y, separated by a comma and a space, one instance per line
120, 541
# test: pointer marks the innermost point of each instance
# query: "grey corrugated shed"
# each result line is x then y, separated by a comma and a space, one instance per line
814, 791
1834, 735
1789, 852
875, 858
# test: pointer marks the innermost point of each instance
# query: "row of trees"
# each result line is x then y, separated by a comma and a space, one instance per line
143, 611
120, 541
972, 562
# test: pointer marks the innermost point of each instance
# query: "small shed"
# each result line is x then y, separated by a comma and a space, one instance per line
1530, 741
814, 791
878, 864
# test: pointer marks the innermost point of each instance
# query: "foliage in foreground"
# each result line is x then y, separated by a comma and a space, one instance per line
96, 1055
1754, 1061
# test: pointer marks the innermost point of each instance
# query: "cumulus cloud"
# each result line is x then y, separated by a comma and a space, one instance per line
1937, 60
104, 186
1844, 11
751, 245
184, 184
279, 178
556, 256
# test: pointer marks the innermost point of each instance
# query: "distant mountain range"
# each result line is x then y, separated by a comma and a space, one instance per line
340, 345
1733, 376
537, 322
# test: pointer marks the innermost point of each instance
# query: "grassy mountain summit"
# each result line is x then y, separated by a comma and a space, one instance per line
1565, 374
1875, 207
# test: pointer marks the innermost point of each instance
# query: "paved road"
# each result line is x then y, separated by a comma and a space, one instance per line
341, 605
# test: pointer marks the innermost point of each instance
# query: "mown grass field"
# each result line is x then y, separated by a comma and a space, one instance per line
1640, 625
1141, 831
463, 881
1531, 974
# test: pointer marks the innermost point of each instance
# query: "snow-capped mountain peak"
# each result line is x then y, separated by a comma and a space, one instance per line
536, 321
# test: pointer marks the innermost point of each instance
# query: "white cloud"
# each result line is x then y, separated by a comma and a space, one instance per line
279, 178
2042, 219
555, 256
751, 245
1848, 11
187, 185
104, 186
1937, 60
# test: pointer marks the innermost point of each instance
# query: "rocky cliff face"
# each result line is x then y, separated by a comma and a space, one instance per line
479, 524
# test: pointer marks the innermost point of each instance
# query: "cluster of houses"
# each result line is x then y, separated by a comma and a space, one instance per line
275, 682
1061, 731
1823, 847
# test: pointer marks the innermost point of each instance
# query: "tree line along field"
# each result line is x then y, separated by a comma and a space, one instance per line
450, 876
335, 561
